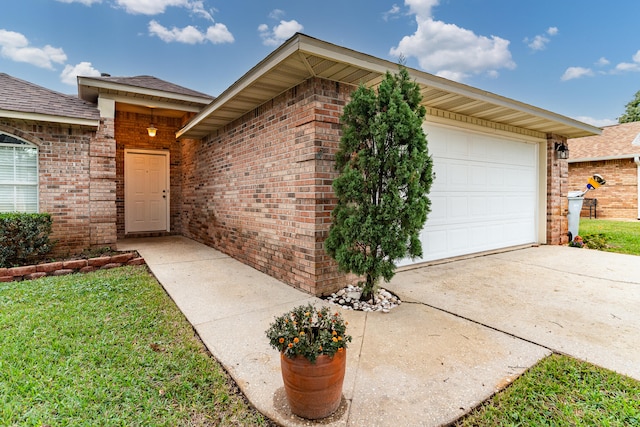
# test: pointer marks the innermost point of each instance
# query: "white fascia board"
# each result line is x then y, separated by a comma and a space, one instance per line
251, 76
150, 103
38, 117
382, 66
603, 158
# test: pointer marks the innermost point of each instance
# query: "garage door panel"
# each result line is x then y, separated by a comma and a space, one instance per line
484, 195
457, 208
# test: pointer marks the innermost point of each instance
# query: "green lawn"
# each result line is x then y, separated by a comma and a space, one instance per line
107, 349
111, 349
618, 236
560, 391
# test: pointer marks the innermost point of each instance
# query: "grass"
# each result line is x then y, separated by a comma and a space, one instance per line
108, 348
561, 391
619, 236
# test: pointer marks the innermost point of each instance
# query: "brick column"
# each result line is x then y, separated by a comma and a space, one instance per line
557, 203
102, 164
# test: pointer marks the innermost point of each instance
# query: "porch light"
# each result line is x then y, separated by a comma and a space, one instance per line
562, 150
152, 129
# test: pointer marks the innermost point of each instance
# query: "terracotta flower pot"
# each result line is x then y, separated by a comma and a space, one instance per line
314, 390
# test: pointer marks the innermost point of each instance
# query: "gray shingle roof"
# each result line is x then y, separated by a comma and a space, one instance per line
25, 97
617, 140
150, 82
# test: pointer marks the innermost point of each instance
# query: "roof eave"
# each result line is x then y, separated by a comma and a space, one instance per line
604, 158
251, 76
89, 88
38, 117
570, 128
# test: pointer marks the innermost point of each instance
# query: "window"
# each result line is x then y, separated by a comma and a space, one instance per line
18, 175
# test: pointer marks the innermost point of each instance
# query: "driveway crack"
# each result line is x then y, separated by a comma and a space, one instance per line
485, 325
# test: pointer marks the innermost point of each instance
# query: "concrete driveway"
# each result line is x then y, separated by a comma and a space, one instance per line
465, 330
580, 302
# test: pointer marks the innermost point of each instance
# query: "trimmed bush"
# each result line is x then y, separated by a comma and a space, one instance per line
24, 238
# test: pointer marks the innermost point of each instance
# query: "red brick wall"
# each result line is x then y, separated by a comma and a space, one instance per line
618, 199
82, 211
131, 132
557, 203
260, 188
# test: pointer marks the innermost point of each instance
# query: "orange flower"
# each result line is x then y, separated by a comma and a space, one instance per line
290, 345
339, 338
320, 348
296, 340
301, 333
281, 340
340, 350
334, 339
334, 333
307, 314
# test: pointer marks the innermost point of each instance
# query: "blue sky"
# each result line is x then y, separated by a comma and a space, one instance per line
579, 58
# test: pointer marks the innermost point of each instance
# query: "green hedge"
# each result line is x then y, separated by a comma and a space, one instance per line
24, 238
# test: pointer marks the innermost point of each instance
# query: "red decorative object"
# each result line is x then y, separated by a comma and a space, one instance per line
314, 390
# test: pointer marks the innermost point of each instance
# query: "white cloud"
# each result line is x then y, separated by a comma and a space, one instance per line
540, 41
154, 7
279, 33
575, 73
596, 122
151, 7
71, 72
602, 62
197, 8
217, 33
391, 13
276, 14
629, 66
16, 47
84, 2
422, 8
451, 51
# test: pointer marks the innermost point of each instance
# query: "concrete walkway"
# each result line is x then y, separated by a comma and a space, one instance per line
465, 330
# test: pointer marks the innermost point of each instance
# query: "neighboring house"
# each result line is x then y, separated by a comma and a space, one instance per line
615, 154
250, 171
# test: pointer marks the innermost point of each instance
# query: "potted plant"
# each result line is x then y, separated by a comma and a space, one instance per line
312, 343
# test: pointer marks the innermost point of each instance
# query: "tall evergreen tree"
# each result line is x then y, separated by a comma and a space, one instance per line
385, 177
632, 112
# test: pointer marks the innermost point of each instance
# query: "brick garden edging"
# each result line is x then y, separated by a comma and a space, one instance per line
60, 268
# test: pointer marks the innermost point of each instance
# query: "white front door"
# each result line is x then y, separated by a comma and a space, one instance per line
146, 189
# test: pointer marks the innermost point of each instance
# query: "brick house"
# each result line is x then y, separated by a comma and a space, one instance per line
615, 154
250, 171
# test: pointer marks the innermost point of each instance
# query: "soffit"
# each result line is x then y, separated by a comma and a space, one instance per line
303, 57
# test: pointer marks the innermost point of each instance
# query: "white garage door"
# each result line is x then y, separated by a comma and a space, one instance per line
484, 195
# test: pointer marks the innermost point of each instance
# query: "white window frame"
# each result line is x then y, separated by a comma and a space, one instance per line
24, 144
